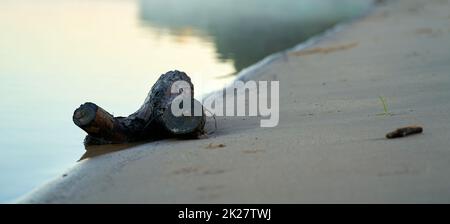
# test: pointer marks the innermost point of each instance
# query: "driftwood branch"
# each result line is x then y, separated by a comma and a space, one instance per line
154, 120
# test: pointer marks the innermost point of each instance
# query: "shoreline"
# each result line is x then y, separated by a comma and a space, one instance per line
329, 145
251, 70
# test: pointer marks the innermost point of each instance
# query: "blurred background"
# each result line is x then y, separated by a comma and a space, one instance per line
57, 54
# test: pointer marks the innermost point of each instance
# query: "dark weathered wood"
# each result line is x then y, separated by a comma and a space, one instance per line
153, 120
405, 131
184, 125
98, 123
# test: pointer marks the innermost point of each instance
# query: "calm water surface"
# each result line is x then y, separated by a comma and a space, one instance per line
57, 54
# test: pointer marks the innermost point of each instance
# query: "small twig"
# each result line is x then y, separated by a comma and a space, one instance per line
405, 131
215, 122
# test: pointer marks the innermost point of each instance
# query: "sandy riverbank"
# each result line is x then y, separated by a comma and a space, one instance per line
329, 145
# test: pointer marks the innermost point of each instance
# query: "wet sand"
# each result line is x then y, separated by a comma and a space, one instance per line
330, 145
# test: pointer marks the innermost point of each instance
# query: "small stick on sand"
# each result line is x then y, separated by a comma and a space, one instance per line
405, 131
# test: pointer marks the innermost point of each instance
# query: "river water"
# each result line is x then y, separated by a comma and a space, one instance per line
57, 54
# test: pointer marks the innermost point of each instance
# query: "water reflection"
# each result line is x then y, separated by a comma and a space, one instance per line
98, 150
247, 31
